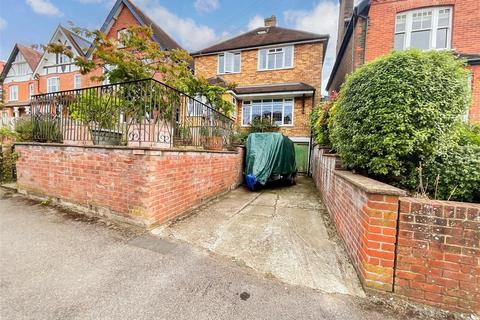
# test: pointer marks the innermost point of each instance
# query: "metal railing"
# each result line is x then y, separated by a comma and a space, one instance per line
135, 113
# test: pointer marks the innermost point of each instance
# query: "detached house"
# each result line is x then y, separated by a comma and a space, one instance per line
277, 73
375, 27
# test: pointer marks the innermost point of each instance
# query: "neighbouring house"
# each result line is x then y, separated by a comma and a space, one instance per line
18, 82
28, 72
375, 27
277, 73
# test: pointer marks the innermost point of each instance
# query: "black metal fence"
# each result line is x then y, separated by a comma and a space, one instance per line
136, 113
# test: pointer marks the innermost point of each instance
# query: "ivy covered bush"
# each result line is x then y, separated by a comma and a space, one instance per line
403, 110
319, 121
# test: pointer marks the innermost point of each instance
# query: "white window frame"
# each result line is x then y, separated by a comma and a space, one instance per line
250, 104
433, 29
77, 81
49, 85
225, 55
269, 54
13, 94
31, 90
119, 35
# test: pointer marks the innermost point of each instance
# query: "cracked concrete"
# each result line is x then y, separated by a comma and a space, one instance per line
280, 232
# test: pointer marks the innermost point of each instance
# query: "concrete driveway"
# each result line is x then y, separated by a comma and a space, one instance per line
281, 232
61, 265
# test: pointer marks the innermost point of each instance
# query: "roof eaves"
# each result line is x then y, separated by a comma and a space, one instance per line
325, 38
361, 9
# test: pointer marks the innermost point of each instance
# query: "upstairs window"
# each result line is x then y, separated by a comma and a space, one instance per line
424, 29
13, 93
53, 84
77, 81
121, 33
229, 62
275, 58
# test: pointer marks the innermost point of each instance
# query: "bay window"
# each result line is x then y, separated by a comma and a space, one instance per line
275, 58
424, 29
229, 62
277, 111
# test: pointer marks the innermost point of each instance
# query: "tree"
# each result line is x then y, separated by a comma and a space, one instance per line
136, 56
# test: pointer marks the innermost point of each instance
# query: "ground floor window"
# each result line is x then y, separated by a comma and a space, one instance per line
278, 111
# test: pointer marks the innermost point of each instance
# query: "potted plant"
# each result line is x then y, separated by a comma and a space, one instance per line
212, 138
100, 113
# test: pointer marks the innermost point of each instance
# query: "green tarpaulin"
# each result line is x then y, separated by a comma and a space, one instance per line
269, 155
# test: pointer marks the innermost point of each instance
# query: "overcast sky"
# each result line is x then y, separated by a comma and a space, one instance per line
193, 23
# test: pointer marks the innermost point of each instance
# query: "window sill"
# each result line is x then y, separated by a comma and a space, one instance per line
278, 69
280, 126
225, 73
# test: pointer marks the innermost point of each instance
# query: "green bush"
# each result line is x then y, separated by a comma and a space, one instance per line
24, 129
397, 111
458, 173
319, 120
263, 125
467, 134
47, 130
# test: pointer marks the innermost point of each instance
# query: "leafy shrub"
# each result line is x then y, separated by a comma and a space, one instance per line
458, 173
468, 134
7, 135
47, 130
319, 119
7, 162
263, 125
397, 111
24, 129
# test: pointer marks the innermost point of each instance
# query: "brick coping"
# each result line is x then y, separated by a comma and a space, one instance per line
440, 202
126, 148
369, 185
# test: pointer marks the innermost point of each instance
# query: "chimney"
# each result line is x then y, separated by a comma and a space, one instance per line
271, 22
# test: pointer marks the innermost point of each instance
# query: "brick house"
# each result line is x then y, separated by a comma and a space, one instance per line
375, 27
18, 82
28, 72
277, 73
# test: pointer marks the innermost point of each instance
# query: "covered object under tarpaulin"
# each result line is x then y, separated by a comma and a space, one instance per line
270, 156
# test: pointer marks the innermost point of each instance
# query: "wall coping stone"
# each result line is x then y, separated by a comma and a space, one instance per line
135, 150
369, 185
441, 202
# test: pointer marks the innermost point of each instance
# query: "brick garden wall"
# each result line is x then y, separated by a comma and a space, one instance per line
144, 186
438, 254
365, 215
436, 258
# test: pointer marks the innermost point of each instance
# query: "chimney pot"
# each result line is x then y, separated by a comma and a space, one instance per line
271, 22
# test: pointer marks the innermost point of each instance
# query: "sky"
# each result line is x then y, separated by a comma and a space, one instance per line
195, 24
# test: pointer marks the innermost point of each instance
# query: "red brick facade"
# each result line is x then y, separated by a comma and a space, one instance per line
438, 254
431, 255
143, 185
377, 38
365, 214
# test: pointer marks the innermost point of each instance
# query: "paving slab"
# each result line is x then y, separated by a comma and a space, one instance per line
280, 232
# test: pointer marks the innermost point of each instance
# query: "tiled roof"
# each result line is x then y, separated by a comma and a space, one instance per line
261, 37
82, 45
159, 33
31, 56
273, 88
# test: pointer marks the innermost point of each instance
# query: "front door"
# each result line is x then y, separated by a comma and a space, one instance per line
301, 156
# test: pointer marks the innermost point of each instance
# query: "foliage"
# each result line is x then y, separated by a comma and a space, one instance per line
397, 111
47, 130
7, 162
455, 174
319, 119
468, 134
7, 134
262, 125
24, 129
134, 56
238, 136
95, 110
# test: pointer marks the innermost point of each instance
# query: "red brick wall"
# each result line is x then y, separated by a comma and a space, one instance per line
474, 112
146, 186
438, 255
365, 215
